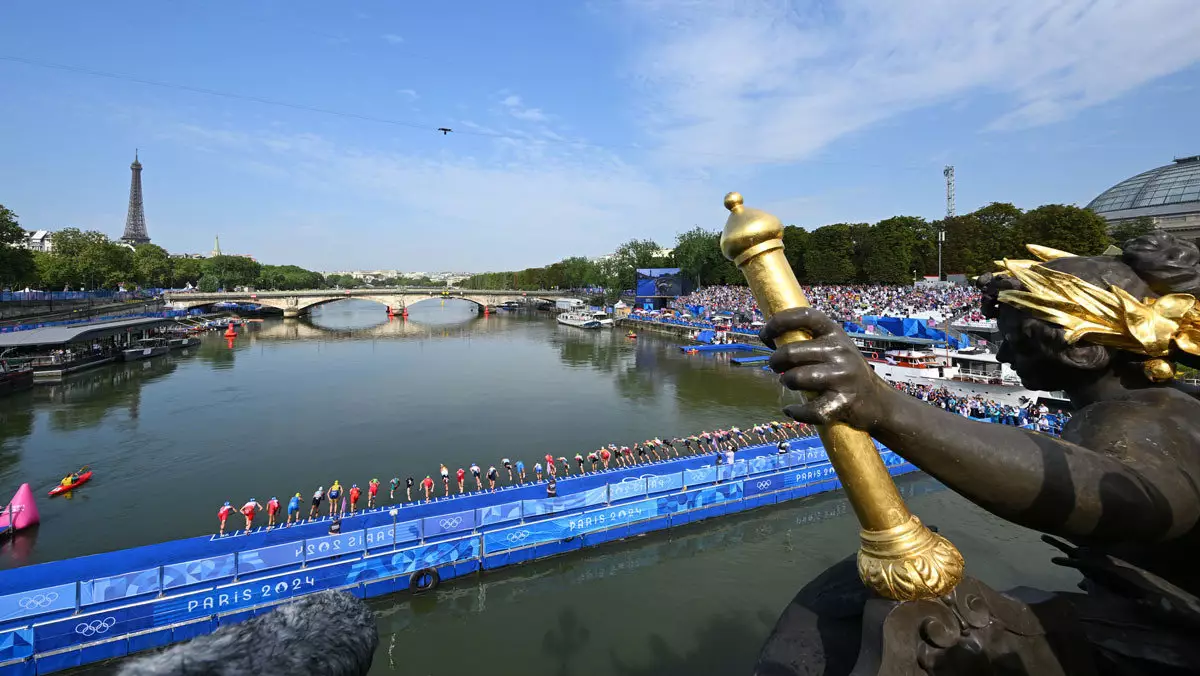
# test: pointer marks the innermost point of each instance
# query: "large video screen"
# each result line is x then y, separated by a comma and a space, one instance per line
660, 282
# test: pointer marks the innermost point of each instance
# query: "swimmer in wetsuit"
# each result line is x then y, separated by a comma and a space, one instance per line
408, 486
565, 465
223, 513
537, 471
491, 475
355, 494
293, 509
605, 455
475, 472
520, 472
445, 480
249, 510
372, 490
461, 475
593, 458
579, 461
427, 486
508, 466
394, 484
316, 503
335, 495
272, 510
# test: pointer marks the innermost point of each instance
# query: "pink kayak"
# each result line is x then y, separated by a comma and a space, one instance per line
21, 512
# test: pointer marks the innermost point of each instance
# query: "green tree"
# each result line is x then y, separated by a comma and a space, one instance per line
208, 283
232, 271
888, 250
795, 243
151, 266
17, 265
698, 255
998, 235
1064, 227
578, 272
186, 271
829, 256
1126, 230
635, 254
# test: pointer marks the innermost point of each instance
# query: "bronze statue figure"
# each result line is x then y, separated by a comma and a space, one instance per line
1119, 485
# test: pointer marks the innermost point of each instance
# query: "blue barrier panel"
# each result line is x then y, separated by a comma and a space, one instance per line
316, 549
552, 530
115, 622
740, 469
266, 558
626, 489
201, 570
37, 602
118, 587
761, 464
566, 503
486, 516
703, 475
434, 526
766, 483
700, 497
16, 644
795, 458
656, 483
815, 454
811, 474
724, 472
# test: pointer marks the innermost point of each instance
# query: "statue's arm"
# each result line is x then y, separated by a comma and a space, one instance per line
1050, 484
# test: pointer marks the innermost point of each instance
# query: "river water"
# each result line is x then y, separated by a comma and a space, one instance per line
351, 395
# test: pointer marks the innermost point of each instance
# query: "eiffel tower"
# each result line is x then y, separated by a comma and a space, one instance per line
135, 220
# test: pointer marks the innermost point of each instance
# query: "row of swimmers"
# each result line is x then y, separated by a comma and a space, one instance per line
341, 501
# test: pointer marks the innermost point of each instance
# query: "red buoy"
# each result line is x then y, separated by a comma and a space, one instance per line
391, 313
230, 332
404, 313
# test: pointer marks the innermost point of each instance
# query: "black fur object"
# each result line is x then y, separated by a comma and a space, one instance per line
325, 634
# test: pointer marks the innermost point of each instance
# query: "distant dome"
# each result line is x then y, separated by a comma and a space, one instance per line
1169, 194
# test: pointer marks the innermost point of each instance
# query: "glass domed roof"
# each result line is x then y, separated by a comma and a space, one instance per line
1175, 183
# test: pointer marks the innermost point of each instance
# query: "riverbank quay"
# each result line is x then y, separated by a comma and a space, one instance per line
77, 611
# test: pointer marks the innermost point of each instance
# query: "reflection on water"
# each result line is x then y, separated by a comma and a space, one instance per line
351, 395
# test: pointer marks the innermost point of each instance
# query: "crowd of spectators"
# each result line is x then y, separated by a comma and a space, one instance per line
981, 408
848, 303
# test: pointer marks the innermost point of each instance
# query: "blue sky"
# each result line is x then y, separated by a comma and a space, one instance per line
578, 125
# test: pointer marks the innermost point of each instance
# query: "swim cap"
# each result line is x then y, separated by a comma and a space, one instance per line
353, 485
253, 500
297, 495
227, 503
274, 498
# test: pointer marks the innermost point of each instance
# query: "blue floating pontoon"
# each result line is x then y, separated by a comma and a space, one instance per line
76, 611
732, 347
746, 361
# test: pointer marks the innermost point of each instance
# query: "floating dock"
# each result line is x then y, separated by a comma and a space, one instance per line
731, 347
747, 361
77, 611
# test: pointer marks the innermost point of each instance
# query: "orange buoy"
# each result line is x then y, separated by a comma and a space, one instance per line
230, 332
391, 313
404, 312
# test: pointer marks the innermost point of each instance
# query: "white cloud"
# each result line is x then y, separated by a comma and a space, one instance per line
410, 93
517, 109
527, 203
392, 38
780, 80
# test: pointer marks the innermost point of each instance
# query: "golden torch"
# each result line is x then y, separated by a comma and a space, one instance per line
899, 557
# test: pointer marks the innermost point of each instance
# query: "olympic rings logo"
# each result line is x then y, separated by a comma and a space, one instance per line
762, 485
95, 626
519, 536
449, 523
38, 600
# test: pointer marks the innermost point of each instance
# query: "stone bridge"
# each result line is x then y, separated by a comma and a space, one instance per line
296, 303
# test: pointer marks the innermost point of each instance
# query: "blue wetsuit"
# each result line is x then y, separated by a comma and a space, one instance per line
293, 505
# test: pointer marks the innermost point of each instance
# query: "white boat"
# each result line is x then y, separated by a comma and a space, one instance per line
580, 320
969, 372
606, 322
144, 349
